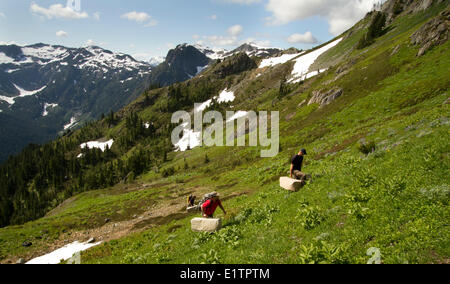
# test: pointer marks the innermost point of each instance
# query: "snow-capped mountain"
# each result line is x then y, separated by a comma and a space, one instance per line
252, 49
212, 53
181, 63
47, 89
187, 61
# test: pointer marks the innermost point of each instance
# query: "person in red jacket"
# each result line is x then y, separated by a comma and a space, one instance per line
210, 206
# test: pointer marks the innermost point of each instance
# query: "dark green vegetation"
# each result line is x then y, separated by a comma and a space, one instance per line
376, 29
378, 155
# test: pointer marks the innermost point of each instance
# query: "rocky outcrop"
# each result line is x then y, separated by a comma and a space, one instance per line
234, 65
433, 33
326, 98
393, 8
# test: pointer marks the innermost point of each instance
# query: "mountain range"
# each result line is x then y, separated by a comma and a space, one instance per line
46, 90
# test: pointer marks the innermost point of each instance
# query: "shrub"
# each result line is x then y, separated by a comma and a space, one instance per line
398, 8
376, 29
323, 253
168, 172
367, 147
310, 217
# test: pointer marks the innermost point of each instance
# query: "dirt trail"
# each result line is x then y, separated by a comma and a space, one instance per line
161, 213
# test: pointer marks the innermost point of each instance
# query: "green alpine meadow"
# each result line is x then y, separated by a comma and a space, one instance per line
371, 110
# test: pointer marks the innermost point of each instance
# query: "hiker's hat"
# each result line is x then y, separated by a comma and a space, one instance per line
303, 151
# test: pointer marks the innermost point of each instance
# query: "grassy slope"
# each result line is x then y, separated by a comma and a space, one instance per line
395, 199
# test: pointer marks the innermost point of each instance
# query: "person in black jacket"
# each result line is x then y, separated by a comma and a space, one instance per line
297, 164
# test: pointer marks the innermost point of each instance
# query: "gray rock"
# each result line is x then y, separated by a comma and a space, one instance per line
91, 241
434, 32
326, 98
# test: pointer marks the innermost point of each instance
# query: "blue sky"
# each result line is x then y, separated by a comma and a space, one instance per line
148, 28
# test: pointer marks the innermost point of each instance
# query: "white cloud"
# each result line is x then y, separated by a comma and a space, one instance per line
90, 42
140, 17
10, 43
217, 40
97, 16
340, 14
302, 38
151, 23
231, 39
235, 30
61, 34
243, 2
261, 43
136, 16
57, 11
2, 15
213, 17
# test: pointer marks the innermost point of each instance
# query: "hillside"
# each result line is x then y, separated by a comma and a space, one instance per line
371, 106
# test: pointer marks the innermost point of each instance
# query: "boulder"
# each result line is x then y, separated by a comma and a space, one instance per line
91, 241
291, 184
206, 224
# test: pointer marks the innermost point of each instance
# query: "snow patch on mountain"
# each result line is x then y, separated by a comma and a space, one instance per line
237, 115
73, 122
212, 53
224, 97
25, 93
47, 52
190, 140
99, 58
98, 145
302, 65
7, 99
46, 107
5, 59
273, 61
63, 253
9, 71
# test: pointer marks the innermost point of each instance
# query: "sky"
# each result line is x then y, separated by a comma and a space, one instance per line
149, 28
